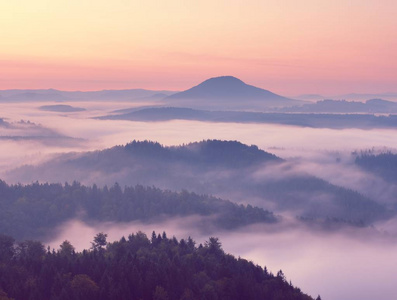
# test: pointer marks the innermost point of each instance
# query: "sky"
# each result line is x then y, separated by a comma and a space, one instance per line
287, 46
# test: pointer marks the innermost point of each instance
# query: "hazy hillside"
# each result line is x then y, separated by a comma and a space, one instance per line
61, 108
34, 211
362, 97
229, 170
33, 95
337, 121
383, 164
30, 131
57, 95
348, 97
342, 106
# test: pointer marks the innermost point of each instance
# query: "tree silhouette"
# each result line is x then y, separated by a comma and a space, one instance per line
99, 241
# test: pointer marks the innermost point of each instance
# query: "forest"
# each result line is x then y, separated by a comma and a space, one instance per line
381, 164
32, 211
227, 169
135, 267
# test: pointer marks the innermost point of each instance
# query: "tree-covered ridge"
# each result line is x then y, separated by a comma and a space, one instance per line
325, 201
30, 211
159, 268
149, 163
226, 169
382, 164
211, 153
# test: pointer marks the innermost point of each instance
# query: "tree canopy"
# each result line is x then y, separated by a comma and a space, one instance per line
33, 211
137, 267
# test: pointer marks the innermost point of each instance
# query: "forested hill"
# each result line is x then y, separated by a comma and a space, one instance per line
33, 211
159, 268
383, 164
226, 169
210, 153
148, 163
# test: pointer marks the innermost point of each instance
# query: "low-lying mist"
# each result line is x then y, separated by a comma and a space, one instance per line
348, 263
232, 171
344, 265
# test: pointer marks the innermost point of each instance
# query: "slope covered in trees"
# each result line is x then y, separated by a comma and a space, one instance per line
159, 268
34, 210
383, 164
226, 169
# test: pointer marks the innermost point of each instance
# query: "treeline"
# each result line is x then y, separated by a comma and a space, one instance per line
136, 267
325, 201
209, 153
32, 211
222, 168
151, 157
383, 164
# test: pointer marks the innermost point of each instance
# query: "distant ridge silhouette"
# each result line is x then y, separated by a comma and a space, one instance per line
343, 106
228, 92
40, 95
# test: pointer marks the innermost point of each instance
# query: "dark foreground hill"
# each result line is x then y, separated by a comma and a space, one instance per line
136, 268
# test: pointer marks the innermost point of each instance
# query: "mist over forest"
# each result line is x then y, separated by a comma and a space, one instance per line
226, 169
312, 194
198, 150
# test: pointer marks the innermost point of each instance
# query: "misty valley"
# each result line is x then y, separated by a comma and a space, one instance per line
226, 169
200, 194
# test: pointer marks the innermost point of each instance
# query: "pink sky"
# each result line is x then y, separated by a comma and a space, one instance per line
289, 47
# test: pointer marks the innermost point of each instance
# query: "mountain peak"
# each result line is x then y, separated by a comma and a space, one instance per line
223, 80
228, 92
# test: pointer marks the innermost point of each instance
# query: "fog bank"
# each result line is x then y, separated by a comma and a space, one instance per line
333, 265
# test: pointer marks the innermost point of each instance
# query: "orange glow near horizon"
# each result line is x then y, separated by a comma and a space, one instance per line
288, 47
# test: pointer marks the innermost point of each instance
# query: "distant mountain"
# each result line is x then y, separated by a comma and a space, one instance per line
13, 92
380, 105
348, 97
343, 106
228, 93
320, 120
34, 96
61, 108
131, 94
56, 95
362, 97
